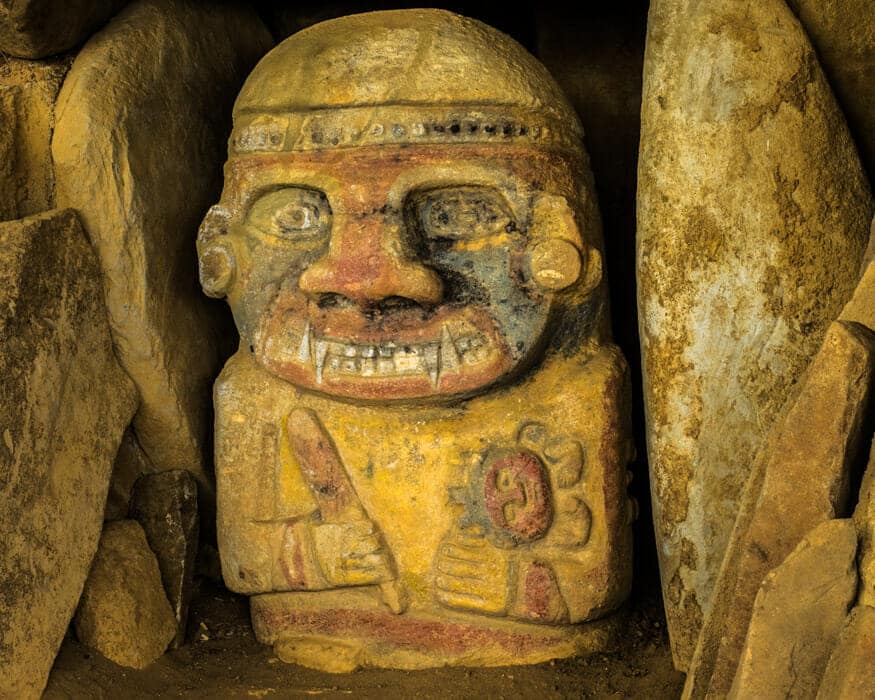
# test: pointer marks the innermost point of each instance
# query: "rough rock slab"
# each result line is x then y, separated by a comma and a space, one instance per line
129, 465
165, 504
799, 480
850, 673
843, 32
142, 121
753, 213
28, 90
124, 613
797, 616
40, 28
65, 405
864, 519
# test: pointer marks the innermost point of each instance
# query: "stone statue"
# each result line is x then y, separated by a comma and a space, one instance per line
421, 442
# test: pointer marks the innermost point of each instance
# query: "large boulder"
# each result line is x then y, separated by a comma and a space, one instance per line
65, 404
124, 613
142, 120
849, 673
753, 214
39, 28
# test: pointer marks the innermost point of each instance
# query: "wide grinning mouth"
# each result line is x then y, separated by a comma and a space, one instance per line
455, 352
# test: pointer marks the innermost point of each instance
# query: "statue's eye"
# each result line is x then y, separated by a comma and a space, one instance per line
292, 212
462, 212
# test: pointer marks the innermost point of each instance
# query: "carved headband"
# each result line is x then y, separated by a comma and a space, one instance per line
348, 127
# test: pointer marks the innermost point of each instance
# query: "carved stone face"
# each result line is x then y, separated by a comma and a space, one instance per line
395, 272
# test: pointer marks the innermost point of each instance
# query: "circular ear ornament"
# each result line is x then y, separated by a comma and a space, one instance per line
555, 264
216, 269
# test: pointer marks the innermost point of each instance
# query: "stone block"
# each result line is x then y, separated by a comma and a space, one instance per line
753, 214
864, 518
65, 405
138, 147
165, 504
799, 479
798, 614
124, 613
849, 673
40, 28
28, 90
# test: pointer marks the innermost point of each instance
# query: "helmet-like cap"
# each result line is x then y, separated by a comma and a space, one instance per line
401, 76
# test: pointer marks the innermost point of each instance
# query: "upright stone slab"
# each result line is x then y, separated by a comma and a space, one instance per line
849, 673
138, 147
28, 90
799, 612
799, 480
40, 28
124, 613
753, 213
843, 32
65, 403
864, 519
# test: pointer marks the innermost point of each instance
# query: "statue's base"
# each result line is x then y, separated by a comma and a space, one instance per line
339, 631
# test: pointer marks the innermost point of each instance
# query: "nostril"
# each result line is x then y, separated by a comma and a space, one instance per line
397, 303
332, 300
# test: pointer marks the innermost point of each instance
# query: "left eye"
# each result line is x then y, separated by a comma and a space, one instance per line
291, 213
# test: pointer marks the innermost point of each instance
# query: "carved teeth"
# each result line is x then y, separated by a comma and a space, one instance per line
304, 350
431, 355
321, 352
449, 358
457, 346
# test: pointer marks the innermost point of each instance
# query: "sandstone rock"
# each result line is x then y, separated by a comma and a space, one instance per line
864, 519
799, 480
165, 505
798, 614
129, 465
753, 214
843, 32
65, 403
848, 674
39, 28
141, 124
27, 112
124, 613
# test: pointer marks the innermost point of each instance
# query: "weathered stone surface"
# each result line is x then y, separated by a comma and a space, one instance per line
165, 505
141, 123
27, 112
843, 32
753, 212
864, 519
849, 673
799, 479
798, 614
65, 403
124, 613
39, 28
129, 465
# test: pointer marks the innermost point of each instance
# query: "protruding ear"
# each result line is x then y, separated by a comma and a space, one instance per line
216, 262
215, 223
559, 258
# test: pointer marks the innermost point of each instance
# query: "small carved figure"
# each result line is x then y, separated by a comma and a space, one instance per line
421, 442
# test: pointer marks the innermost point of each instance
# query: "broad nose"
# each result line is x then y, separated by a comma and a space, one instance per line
368, 262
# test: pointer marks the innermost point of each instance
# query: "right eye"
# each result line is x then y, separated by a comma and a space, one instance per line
291, 213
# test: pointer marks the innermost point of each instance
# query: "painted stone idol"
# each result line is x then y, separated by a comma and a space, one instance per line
421, 442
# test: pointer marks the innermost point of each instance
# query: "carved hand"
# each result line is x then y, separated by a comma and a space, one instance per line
350, 553
472, 574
